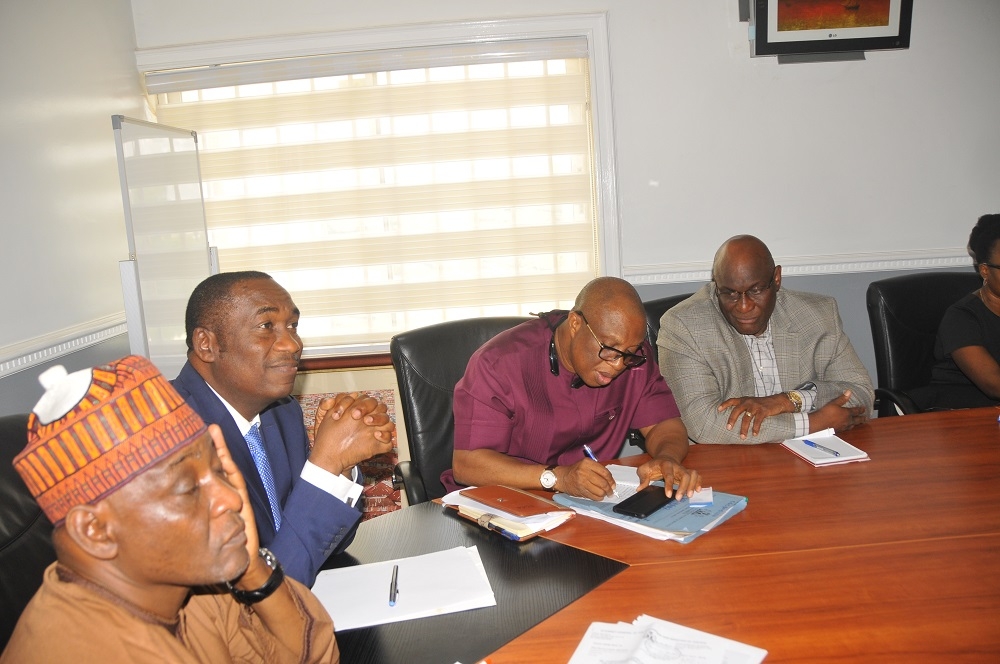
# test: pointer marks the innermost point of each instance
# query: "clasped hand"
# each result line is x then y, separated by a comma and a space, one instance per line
350, 428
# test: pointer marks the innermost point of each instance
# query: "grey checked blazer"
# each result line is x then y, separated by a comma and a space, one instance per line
705, 361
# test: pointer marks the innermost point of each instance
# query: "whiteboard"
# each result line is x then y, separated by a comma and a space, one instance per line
167, 237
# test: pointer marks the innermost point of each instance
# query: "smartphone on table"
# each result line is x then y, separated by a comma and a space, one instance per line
643, 503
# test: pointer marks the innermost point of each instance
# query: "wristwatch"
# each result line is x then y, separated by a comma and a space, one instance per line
249, 597
796, 398
548, 478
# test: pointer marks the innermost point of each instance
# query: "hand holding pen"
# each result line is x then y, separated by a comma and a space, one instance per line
590, 453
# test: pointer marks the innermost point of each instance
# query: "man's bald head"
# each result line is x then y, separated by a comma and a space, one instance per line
742, 252
610, 294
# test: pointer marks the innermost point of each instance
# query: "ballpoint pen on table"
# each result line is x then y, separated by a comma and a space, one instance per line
822, 448
393, 585
590, 454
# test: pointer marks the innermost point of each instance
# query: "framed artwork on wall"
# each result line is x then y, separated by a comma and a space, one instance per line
802, 27
313, 386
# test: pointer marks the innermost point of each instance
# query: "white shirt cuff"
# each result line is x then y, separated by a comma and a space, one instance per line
808, 400
338, 486
801, 424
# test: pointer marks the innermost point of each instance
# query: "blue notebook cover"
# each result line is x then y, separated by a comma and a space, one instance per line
678, 516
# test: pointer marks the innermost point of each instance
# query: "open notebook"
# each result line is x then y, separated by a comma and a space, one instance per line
824, 448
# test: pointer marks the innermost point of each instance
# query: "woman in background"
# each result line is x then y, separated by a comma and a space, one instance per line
967, 372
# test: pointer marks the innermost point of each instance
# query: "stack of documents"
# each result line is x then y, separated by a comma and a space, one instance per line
443, 582
647, 640
824, 448
681, 520
515, 514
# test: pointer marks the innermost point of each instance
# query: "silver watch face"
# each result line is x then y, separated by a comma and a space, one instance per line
269, 558
548, 479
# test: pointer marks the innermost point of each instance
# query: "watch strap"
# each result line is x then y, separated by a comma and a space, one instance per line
249, 597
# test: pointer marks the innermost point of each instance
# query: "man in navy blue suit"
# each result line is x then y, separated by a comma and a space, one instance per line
243, 354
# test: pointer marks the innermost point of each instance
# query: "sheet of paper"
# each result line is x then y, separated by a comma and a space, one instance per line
734, 652
607, 642
648, 640
702, 498
626, 482
435, 583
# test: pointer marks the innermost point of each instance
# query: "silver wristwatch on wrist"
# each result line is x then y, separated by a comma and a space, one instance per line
548, 478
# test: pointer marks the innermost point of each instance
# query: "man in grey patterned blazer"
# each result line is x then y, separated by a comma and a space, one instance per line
751, 363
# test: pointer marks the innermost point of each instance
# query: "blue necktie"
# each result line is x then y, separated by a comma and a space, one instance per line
256, 445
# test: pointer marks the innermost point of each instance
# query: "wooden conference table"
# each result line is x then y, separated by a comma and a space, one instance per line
892, 559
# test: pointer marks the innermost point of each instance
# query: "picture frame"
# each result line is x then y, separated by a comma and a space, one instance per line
805, 27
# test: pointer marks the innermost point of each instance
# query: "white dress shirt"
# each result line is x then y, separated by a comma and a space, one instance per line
347, 490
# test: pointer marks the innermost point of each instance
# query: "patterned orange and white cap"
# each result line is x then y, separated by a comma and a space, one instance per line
94, 430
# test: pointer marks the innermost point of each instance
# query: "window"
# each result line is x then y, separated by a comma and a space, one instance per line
392, 189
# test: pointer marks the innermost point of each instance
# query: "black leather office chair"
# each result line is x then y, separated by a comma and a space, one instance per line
655, 310
25, 532
428, 362
905, 313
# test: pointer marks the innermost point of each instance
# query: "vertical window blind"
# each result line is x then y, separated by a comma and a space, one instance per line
391, 190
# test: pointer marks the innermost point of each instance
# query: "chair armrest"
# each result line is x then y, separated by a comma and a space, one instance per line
889, 402
404, 476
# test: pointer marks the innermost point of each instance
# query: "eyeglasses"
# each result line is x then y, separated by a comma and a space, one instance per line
755, 293
612, 354
992, 265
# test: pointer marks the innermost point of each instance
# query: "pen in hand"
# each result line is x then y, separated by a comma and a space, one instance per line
393, 586
590, 454
822, 448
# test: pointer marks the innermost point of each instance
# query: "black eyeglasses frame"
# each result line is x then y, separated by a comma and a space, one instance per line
630, 360
755, 293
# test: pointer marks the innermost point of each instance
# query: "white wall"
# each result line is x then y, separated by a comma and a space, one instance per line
65, 68
870, 162
851, 166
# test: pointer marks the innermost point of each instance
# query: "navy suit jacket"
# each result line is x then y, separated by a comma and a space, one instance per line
314, 524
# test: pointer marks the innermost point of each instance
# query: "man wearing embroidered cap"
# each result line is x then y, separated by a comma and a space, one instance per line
147, 505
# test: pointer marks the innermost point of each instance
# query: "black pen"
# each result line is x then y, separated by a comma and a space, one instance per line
393, 586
